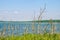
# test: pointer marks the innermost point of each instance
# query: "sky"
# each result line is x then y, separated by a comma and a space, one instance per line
24, 10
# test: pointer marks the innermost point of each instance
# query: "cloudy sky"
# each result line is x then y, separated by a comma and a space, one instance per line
23, 10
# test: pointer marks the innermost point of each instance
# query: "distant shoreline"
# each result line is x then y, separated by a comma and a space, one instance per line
34, 21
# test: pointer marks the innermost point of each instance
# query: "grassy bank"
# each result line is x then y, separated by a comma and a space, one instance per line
33, 37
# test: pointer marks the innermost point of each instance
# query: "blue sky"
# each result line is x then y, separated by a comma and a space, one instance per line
23, 10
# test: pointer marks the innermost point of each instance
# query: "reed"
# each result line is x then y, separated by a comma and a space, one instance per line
32, 36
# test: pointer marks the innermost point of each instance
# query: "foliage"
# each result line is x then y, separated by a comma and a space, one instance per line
33, 37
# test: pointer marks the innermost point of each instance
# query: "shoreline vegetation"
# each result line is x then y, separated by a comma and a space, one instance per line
33, 36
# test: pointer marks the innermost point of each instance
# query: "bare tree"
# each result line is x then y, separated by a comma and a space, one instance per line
40, 17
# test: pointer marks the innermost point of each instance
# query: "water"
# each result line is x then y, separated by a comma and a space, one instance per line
18, 27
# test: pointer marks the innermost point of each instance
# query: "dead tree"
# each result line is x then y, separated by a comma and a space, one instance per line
40, 17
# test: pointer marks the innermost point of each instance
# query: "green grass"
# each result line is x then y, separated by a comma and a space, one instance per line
33, 37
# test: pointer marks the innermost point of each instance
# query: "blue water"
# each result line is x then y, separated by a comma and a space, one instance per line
20, 26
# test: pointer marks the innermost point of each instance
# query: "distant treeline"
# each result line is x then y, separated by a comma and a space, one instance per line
49, 21
34, 21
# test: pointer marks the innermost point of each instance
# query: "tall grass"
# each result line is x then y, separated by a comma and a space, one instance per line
32, 36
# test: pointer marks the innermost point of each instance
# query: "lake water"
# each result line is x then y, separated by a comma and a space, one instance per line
19, 27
